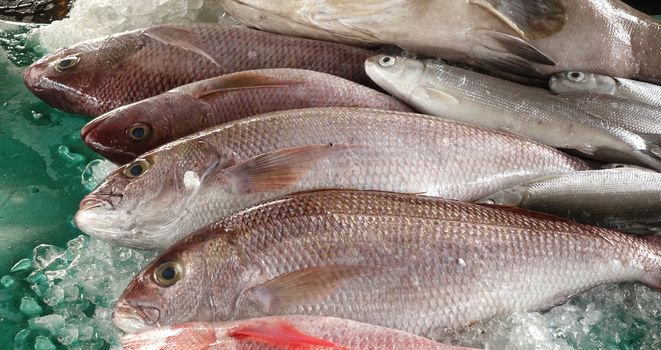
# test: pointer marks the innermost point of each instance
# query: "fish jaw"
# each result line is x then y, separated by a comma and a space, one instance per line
402, 76
95, 135
131, 319
61, 89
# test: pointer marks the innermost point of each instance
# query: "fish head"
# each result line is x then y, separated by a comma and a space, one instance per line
397, 75
73, 78
576, 81
148, 202
174, 288
131, 130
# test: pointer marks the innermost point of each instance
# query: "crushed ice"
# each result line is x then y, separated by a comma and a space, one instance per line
89, 19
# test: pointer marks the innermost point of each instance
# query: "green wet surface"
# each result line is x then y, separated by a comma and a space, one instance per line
42, 158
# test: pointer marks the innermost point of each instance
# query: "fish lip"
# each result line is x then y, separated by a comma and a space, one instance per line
93, 200
115, 154
134, 318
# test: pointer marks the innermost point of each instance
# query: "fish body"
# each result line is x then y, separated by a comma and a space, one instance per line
179, 187
567, 82
277, 333
96, 76
623, 199
38, 11
451, 92
418, 264
638, 117
519, 37
128, 131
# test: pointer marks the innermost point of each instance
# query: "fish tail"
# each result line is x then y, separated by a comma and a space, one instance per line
652, 259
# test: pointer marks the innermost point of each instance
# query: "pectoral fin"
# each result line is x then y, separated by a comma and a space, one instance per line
181, 38
279, 333
274, 170
511, 197
303, 286
435, 95
239, 81
531, 19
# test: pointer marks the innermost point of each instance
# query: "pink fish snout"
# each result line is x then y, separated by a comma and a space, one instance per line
132, 318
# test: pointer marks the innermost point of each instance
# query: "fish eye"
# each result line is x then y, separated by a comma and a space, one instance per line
137, 168
139, 131
66, 63
386, 61
168, 273
576, 76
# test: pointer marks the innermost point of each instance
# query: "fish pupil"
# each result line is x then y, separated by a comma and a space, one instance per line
136, 170
138, 133
168, 273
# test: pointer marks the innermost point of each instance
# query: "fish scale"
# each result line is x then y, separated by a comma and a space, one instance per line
373, 149
132, 66
419, 264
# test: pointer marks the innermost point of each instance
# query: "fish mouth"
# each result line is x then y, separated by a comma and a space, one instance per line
91, 136
132, 318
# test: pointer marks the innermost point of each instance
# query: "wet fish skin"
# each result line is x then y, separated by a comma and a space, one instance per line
638, 117
439, 89
277, 332
624, 199
199, 105
567, 82
438, 264
97, 76
196, 180
520, 37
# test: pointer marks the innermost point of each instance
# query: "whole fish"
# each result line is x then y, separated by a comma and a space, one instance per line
519, 37
623, 199
278, 333
635, 116
128, 131
418, 264
601, 84
436, 88
182, 186
96, 76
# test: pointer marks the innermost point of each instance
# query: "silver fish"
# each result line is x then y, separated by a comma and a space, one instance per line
280, 333
635, 116
624, 199
419, 264
601, 84
181, 186
521, 37
451, 92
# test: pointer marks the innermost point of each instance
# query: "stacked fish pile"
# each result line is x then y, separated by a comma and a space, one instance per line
299, 201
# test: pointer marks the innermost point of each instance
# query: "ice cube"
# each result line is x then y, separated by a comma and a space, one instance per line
43, 343
44, 255
30, 307
95, 172
51, 323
